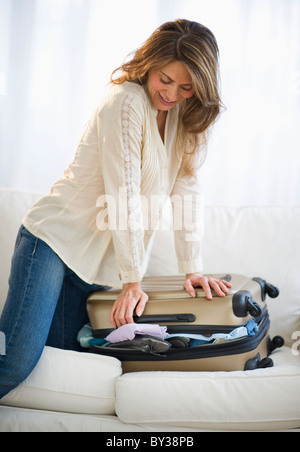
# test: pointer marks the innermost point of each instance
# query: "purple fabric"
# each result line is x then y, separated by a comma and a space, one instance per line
129, 331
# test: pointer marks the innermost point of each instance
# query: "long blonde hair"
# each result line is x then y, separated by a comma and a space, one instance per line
195, 46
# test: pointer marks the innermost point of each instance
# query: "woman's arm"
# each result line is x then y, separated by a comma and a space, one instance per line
188, 238
120, 145
188, 223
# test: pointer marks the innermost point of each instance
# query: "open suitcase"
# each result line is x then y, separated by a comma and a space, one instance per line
170, 305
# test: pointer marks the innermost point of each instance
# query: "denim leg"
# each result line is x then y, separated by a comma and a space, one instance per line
71, 313
35, 284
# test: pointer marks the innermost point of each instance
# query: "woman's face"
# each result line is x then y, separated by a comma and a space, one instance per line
169, 85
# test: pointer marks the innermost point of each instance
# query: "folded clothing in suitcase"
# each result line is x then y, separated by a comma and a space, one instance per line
201, 334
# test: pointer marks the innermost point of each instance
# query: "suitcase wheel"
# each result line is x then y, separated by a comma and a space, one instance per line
257, 363
243, 304
264, 363
272, 291
266, 289
276, 342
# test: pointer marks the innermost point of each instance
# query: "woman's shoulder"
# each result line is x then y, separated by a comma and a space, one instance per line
127, 92
130, 88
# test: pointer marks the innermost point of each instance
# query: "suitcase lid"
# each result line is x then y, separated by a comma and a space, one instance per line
162, 288
168, 298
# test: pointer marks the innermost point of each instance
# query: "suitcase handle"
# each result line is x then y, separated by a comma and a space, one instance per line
164, 318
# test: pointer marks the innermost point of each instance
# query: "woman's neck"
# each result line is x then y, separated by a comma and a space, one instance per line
161, 123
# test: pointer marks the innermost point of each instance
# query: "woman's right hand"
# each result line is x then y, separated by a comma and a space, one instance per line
132, 297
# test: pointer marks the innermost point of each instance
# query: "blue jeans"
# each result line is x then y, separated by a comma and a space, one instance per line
46, 305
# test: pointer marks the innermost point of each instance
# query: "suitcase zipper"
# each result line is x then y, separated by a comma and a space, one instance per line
210, 329
233, 347
193, 329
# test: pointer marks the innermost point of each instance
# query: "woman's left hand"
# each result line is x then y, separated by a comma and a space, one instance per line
220, 286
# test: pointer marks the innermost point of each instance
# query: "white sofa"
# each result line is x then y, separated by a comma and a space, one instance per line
71, 391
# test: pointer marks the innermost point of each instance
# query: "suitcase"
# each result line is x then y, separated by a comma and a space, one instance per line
170, 305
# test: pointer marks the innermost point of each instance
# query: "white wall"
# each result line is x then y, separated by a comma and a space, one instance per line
56, 57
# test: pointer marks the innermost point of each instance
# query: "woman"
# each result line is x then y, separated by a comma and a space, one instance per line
89, 232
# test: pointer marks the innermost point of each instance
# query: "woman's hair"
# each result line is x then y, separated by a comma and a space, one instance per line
195, 46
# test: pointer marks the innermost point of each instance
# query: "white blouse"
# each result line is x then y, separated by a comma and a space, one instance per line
100, 216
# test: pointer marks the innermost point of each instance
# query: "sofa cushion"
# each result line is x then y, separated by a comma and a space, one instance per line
69, 381
262, 399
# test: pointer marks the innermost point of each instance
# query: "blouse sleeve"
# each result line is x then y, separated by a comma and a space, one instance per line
120, 125
188, 210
